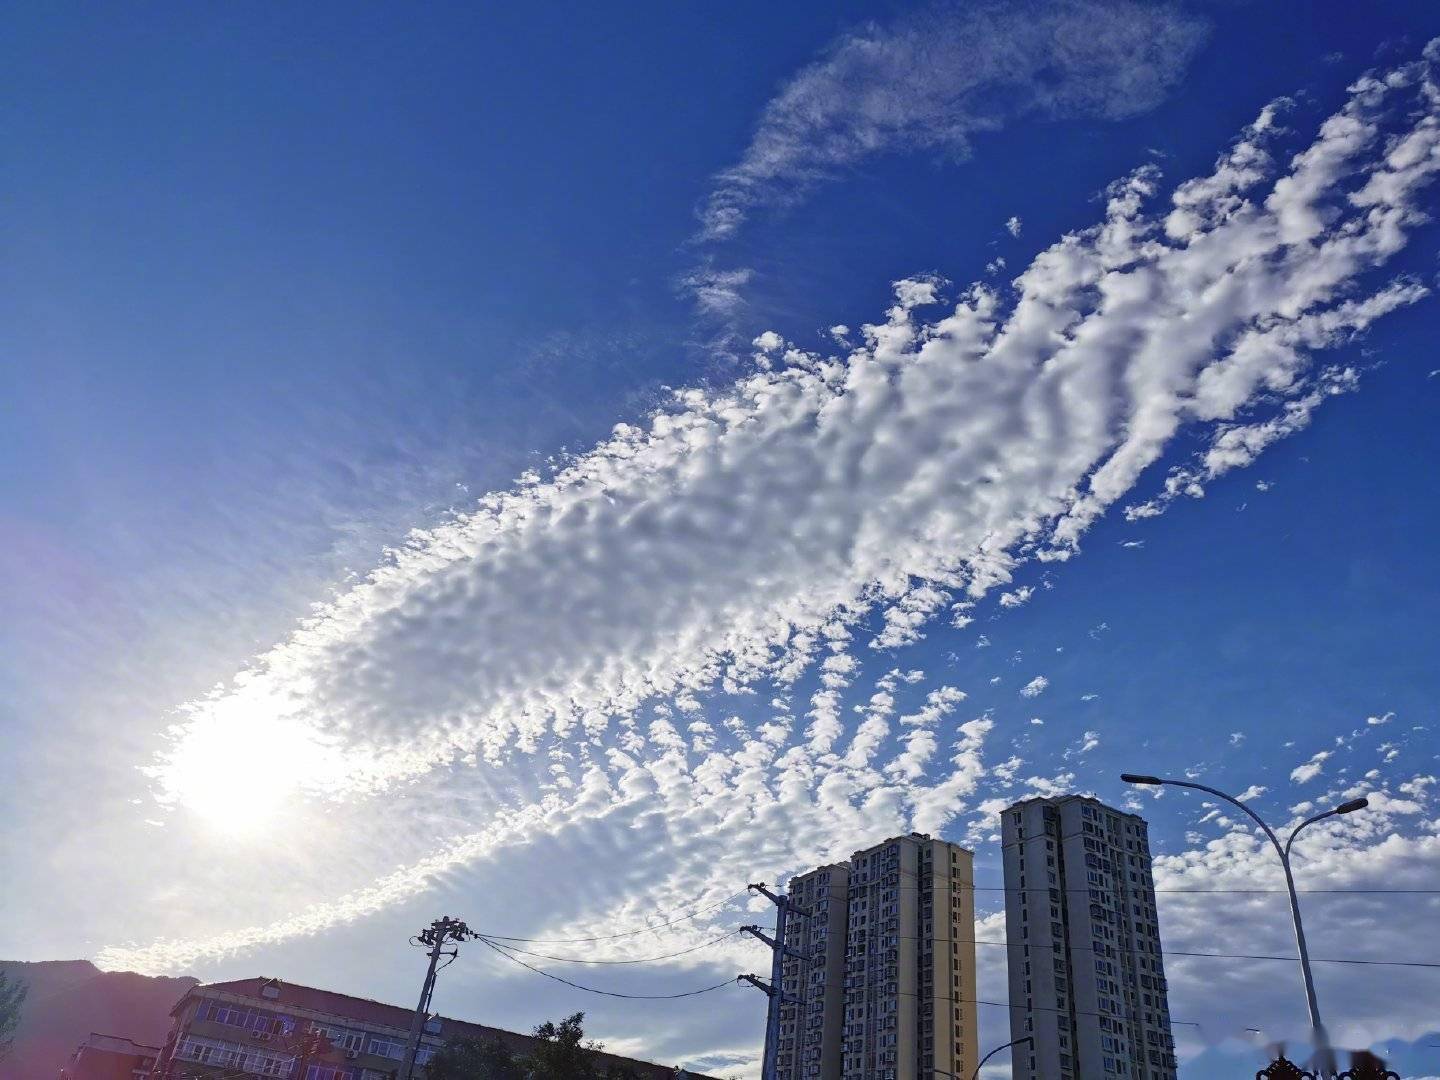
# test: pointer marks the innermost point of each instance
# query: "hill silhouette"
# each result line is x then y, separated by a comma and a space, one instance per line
70, 998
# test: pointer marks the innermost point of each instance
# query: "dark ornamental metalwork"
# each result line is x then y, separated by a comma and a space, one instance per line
1282, 1068
1366, 1066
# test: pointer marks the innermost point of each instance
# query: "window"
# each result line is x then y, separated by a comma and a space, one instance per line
383, 1046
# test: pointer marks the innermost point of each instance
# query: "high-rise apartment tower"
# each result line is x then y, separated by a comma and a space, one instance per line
884, 984
1087, 983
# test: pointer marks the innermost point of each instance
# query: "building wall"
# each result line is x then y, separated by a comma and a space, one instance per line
1086, 975
107, 1057
909, 963
258, 1025
812, 1028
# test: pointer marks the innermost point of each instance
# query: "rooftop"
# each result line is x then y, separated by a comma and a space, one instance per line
346, 1008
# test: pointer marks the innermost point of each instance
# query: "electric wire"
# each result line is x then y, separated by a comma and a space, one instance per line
593, 990
1226, 956
627, 933
1164, 952
644, 960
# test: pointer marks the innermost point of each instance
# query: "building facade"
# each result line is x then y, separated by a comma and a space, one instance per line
812, 1018
883, 987
263, 1027
1087, 982
109, 1057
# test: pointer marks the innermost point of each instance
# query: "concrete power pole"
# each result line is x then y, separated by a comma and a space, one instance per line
436, 935
774, 989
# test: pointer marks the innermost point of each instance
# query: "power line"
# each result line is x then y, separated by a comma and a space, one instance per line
627, 933
1029, 1008
1217, 956
964, 886
592, 990
1164, 952
646, 960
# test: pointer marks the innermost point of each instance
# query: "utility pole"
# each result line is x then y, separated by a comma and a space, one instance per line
312, 1044
436, 935
777, 996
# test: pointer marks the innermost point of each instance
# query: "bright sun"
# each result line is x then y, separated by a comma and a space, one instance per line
237, 769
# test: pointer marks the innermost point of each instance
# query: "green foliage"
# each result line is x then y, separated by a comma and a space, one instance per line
474, 1059
12, 1003
561, 1052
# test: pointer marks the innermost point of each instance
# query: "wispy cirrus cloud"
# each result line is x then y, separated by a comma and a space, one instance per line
776, 530
935, 79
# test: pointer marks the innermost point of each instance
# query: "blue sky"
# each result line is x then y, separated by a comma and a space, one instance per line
284, 286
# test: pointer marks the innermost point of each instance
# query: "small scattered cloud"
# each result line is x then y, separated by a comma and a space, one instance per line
1303, 774
716, 292
1376, 721
1236, 738
1012, 226
1035, 687
1017, 597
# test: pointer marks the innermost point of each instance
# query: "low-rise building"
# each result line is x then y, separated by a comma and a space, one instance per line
109, 1057
265, 1027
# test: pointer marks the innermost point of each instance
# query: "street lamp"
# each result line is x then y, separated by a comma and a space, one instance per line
992, 1053
1321, 1038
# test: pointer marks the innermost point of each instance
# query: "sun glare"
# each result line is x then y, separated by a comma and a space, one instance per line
237, 769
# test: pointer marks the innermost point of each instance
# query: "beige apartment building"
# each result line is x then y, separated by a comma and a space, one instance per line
1087, 979
879, 975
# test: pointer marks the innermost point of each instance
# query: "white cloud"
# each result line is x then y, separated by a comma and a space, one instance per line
1306, 772
717, 292
1035, 687
1376, 721
1016, 597
935, 79
1236, 738
1012, 226
738, 539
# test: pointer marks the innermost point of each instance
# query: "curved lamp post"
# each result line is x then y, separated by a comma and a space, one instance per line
1322, 1039
987, 1057
992, 1053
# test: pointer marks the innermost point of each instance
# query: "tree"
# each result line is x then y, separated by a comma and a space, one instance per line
561, 1052
474, 1059
12, 1002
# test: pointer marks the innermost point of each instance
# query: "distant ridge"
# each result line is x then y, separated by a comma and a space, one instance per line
71, 998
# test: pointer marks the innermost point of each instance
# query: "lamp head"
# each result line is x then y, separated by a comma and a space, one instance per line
1351, 806
1134, 778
